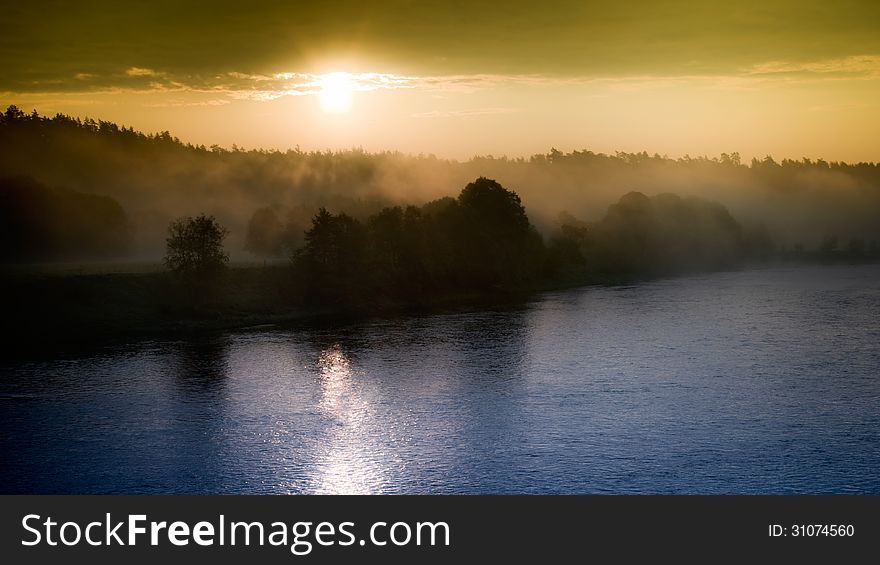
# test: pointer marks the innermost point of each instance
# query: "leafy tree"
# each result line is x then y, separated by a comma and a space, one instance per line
495, 207
195, 246
387, 244
332, 259
496, 244
399, 251
12, 114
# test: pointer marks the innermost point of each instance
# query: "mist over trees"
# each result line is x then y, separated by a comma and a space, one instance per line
265, 234
663, 234
39, 223
266, 199
277, 231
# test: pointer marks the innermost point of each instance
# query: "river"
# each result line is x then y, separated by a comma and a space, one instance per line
755, 381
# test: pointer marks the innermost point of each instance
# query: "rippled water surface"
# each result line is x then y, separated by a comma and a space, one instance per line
759, 381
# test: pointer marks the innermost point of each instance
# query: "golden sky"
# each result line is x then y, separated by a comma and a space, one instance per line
457, 79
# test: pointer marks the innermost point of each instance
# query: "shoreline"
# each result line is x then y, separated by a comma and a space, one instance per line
47, 312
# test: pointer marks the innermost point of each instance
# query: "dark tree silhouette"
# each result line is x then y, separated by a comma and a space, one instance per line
387, 243
333, 257
492, 205
195, 246
480, 241
496, 245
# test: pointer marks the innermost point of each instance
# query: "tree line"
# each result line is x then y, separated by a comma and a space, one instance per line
15, 120
80, 189
482, 242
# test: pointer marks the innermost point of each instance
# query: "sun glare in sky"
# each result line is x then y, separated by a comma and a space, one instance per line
336, 92
671, 77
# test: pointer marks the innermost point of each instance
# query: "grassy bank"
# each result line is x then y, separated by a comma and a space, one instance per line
72, 307
49, 307
58, 307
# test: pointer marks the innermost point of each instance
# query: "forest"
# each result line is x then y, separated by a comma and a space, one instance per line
267, 198
352, 232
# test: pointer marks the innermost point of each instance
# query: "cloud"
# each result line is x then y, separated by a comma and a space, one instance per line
856, 66
185, 104
278, 85
140, 72
255, 86
235, 85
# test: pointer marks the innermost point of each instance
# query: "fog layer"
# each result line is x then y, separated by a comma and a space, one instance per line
155, 178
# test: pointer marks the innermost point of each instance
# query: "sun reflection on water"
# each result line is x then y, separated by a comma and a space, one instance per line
348, 462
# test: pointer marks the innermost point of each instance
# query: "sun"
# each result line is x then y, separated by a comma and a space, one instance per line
335, 94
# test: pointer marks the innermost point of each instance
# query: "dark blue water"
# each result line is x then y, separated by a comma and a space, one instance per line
759, 381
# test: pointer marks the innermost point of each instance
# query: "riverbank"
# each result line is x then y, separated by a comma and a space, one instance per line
46, 308
59, 308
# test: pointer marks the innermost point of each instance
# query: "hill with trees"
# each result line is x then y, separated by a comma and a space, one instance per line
156, 178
